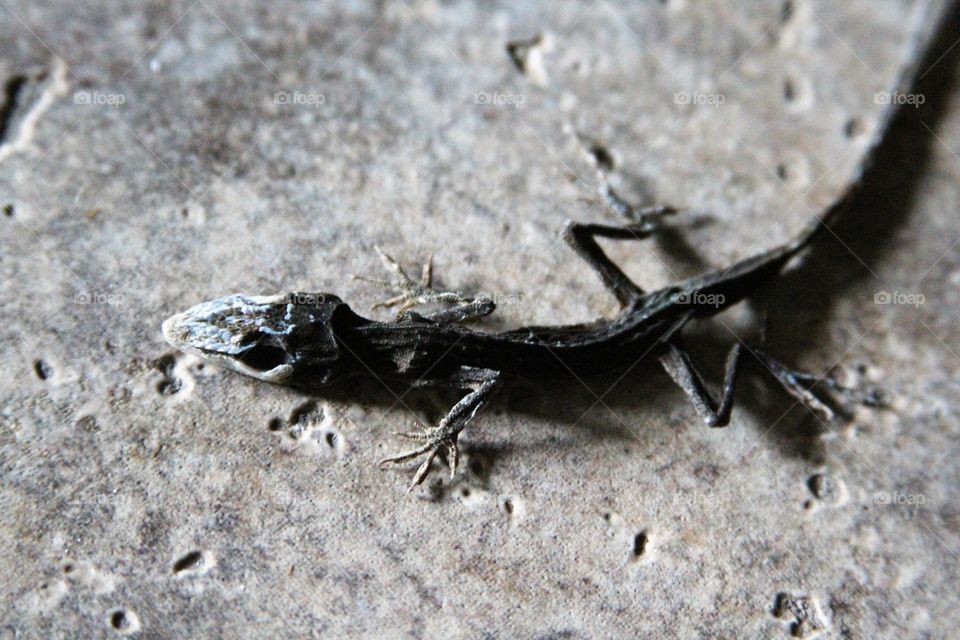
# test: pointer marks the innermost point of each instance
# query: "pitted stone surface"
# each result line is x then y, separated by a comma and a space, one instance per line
159, 154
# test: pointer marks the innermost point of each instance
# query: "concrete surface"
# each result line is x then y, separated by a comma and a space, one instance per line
158, 154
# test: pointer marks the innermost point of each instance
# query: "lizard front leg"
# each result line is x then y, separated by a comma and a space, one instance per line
483, 384
643, 223
582, 238
410, 293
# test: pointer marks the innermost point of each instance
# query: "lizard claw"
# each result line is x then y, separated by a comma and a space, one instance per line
453, 457
871, 396
436, 441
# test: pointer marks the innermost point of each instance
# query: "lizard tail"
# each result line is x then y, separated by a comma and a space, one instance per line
923, 42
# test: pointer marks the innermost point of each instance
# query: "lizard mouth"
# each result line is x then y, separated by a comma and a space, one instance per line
265, 357
270, 364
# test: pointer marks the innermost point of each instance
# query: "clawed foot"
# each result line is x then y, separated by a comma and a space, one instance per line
651, 218
410, 292
443, 438
435, 440
811, 390
872, 397
645, 218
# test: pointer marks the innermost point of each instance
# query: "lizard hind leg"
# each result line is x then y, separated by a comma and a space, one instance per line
800, 385
443, 438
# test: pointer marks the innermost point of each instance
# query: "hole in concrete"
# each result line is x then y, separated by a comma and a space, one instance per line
275, 424
193, 560
602, 156
43, 370
165, 363
306, 412
822, 486
852, 128
9, 105
119, 620
789, 90
640, 544
519, 51
168, 387
87, 423
781, 605
170, 384
8, 210
798, 92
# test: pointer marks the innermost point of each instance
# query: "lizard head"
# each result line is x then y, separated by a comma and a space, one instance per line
270, 338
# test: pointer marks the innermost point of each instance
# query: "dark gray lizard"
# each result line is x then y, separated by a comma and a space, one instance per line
309, 340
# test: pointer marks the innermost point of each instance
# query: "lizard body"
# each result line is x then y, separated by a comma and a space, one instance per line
309, 340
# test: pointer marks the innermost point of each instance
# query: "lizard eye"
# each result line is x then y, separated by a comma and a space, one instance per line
264, 357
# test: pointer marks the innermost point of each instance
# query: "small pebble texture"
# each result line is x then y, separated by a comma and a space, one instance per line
157, 154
